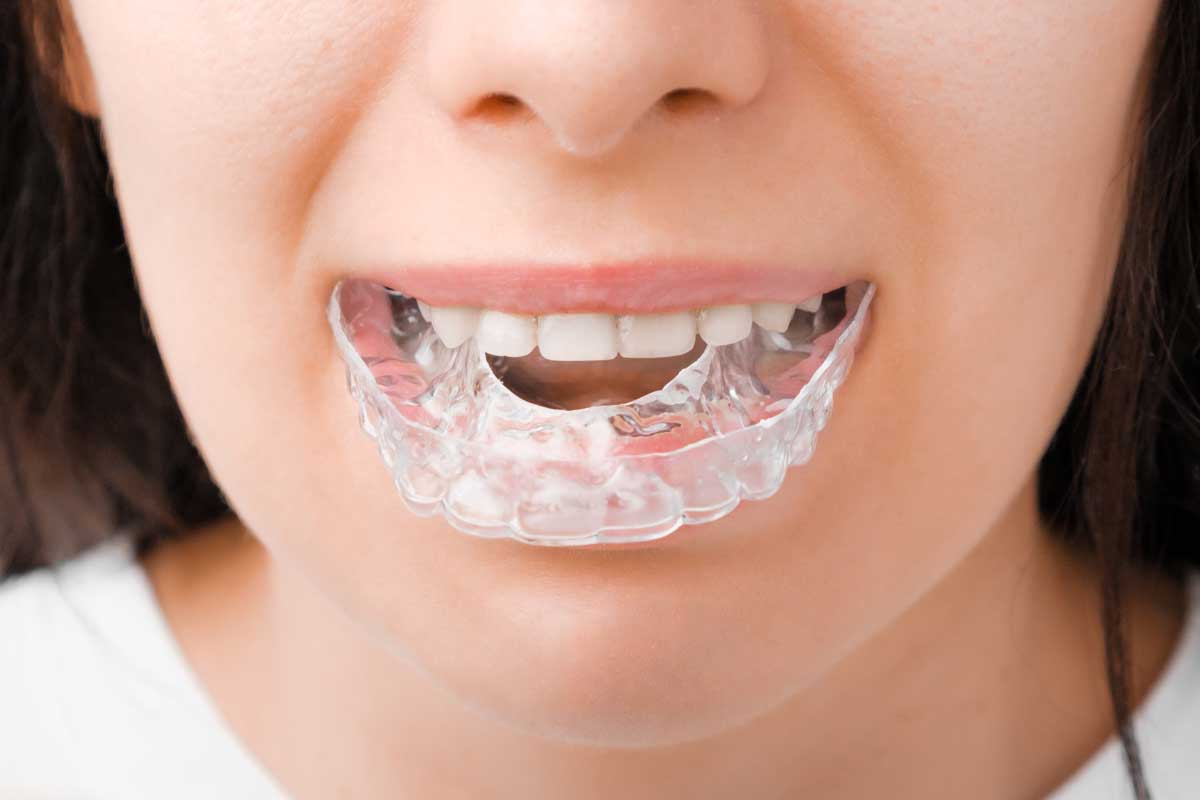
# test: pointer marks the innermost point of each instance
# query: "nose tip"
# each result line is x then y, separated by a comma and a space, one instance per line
589, 71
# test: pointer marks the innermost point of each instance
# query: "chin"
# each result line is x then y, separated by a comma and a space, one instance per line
603, 662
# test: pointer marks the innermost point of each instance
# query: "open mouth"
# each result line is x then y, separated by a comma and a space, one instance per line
578, 360
580, 427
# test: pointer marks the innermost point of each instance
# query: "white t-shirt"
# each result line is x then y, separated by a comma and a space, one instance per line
98, 703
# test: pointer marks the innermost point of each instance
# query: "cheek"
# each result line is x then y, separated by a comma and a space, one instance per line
220, 119
1008, 124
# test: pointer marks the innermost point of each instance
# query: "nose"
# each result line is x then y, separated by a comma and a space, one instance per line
590, 71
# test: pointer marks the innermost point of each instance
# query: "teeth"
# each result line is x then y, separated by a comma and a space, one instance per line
811, 304
577, 337
454, 324
504, 334
773, 316
656, 335
724, 324
599, 337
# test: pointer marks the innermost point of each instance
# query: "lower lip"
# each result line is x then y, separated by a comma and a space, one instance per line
682, 535
654, 544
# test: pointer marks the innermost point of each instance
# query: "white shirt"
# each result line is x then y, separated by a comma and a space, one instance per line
98, 703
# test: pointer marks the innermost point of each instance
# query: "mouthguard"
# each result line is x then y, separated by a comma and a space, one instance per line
459, 443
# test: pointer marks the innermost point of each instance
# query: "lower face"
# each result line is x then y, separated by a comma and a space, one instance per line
969, 164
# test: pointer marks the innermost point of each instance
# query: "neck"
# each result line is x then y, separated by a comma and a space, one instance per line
990, 684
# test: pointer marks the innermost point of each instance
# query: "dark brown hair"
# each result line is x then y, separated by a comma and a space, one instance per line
1121, 475
92, 440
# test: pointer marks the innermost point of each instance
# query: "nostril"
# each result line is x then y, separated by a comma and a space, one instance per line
505, 99
687, 99
499, 106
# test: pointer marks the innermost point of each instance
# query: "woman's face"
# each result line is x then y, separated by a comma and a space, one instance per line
967, 157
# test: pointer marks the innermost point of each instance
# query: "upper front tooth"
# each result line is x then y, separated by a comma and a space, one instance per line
577, 337
811, 304
454, 324
724, 324
773, 316
596, 337
504, 334
656, 335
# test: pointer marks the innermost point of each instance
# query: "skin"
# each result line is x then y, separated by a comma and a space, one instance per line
896, 621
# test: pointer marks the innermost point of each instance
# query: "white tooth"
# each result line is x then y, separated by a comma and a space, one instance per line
577, 337
724, 324
504, 334
454, 324
426, 311
773, 316
656, 335
811, 304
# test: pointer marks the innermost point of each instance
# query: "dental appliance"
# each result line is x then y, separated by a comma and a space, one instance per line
460, 443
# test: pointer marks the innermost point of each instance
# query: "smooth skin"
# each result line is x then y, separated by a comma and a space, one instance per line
895, 622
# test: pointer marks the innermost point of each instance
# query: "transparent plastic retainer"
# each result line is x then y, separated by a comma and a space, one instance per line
458, 442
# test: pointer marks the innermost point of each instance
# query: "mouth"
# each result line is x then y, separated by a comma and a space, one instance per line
573, 360
554, 408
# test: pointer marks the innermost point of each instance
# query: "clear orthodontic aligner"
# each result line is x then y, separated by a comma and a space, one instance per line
458, 442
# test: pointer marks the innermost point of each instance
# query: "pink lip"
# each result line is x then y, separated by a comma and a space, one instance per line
611, 287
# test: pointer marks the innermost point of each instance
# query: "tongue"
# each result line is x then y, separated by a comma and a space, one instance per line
583, 384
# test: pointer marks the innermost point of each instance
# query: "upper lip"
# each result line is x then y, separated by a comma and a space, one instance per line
639, 286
